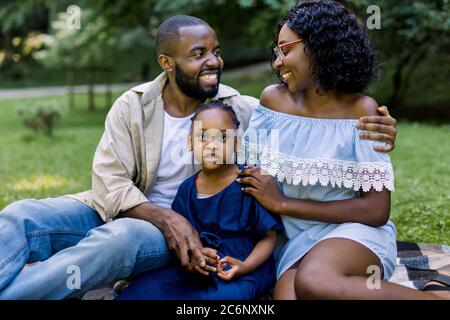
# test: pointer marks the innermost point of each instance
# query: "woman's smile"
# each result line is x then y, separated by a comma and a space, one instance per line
286, 75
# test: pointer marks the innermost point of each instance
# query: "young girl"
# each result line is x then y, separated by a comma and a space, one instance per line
237, 232
335, 189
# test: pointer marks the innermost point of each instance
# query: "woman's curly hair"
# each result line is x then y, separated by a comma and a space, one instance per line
341, 54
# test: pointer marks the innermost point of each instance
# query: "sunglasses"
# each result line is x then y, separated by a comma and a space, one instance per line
278, 50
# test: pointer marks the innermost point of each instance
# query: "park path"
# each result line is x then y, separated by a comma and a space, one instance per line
19, 93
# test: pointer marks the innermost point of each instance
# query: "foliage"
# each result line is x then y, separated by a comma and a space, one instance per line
410, 32
113, 31
69, 46
40, 118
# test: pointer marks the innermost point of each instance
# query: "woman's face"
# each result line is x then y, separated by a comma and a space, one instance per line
213, 139
295, 67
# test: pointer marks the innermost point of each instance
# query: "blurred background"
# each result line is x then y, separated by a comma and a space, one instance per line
62, 64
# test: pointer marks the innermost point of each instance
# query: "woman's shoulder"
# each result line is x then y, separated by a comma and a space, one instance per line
363, 106
273, 96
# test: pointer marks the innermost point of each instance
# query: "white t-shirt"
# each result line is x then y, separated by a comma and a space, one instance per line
176, 164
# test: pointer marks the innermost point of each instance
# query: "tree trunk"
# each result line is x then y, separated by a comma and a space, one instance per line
402, 75
90, 82
108, 93
145, 71
413, 64
8, 47
397, 80
71, 86
396, 83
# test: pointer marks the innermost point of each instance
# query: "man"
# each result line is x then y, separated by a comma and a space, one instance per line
135, 175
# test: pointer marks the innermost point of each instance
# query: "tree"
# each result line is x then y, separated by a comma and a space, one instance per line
410, 31
113, 31
89, 48
17, 23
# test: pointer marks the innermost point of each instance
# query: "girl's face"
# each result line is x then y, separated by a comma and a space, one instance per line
295, 67
213, 138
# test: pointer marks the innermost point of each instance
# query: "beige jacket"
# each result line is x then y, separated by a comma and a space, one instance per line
127, 157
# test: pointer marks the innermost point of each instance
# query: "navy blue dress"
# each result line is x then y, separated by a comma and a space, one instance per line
231, 222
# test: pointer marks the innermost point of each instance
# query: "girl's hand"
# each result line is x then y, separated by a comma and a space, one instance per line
262, 187
383, 129
237, 269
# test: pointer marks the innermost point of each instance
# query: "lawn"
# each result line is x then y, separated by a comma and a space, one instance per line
37, 166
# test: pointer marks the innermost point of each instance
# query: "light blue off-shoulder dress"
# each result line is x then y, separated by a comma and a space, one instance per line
322, 160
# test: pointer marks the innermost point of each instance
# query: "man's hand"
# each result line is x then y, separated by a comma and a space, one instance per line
212, 261
183, 240
383, 127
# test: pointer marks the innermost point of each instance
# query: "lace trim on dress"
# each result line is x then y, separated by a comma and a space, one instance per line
339, 173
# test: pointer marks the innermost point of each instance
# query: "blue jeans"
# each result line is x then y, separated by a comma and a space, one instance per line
79, 252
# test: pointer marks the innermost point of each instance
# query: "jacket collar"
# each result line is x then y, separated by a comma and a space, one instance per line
151, 90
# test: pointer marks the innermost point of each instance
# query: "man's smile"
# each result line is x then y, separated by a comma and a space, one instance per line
209, 78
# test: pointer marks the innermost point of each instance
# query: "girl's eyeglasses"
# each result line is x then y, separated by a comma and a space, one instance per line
278, 50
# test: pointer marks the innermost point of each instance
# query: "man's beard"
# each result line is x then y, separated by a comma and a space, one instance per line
191, 86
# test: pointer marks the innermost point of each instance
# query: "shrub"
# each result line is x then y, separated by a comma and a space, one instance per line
40, 118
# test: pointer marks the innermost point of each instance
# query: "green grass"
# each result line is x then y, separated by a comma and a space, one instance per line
37, 166
421, 201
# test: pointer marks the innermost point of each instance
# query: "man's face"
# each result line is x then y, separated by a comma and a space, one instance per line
198, 65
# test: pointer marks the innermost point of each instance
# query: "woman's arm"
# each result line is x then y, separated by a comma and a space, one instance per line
372, 208
260, 253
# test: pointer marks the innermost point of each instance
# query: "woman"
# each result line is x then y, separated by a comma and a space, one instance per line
335, 189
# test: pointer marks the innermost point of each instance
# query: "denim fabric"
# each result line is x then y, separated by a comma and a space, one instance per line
70, 239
